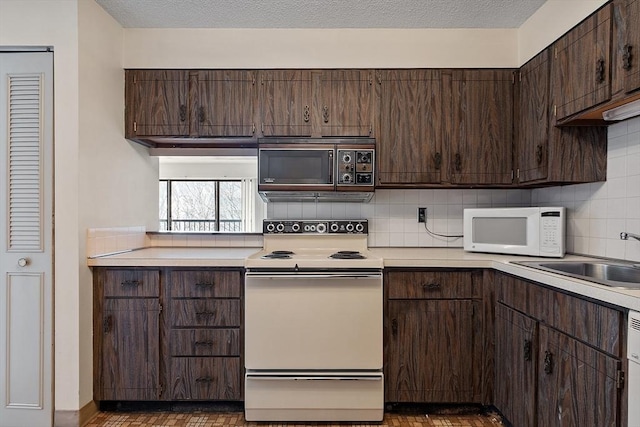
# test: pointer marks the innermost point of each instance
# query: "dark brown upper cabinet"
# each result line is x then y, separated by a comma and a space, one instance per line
626, 47
543, 151
226, 103
286, 102
480, 134
157, 103
580, 69
409, 130
346, 103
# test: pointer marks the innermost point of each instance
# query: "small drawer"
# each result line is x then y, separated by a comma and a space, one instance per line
205, 312
206, 378
131, 283
205, 284
205, 342
433, 284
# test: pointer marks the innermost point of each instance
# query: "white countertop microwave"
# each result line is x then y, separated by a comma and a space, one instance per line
537, 231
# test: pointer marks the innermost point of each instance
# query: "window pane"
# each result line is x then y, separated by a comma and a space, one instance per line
163, 206
193, 205
230, 206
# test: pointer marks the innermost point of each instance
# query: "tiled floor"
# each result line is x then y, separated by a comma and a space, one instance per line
209, 419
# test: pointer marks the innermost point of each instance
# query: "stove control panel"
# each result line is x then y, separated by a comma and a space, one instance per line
341, 226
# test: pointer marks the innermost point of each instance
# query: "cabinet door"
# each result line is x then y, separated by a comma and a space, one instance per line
226, 103
286, 102
516, 341
157, 103
576, 383
533, 121
580, 67
482, 129
409, 137
130, 349
630, 45
429, 355
345, 98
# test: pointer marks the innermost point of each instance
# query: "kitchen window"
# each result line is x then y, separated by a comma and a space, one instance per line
203, 205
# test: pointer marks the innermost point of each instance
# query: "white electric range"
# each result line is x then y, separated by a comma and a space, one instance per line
313, 324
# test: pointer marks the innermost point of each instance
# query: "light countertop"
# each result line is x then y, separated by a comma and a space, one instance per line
393, 257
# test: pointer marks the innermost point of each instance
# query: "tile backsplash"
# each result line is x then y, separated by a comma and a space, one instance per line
392, 214
598, 212
102, 241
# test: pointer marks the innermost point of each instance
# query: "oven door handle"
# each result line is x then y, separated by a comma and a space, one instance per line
313, 276
313, 378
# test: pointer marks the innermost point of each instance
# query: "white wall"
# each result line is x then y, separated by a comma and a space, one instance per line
55, 23
119, 180
552, 20
598, 212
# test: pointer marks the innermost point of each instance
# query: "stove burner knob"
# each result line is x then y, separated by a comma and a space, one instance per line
346, 177
334, 227
321, 228
359, 227
280, 227
349, 227
270, 227
295, 227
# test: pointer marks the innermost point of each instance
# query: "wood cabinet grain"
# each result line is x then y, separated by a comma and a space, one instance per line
156, 103
581, 76
625, 67
205, 378
431, 338
480, 135
286, 102
409, 134
345, 103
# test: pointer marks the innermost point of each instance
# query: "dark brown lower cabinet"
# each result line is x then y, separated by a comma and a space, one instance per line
130, 349
204, 378
558, 358
433, 333
515, 383
577, 384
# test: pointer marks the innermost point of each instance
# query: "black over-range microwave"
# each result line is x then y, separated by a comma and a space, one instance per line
316, 169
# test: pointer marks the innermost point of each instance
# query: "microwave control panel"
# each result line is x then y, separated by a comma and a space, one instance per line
355, 167
552, 224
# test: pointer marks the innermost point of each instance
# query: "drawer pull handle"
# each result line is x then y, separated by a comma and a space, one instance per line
131, 283
548, 362
204, 380
600, 71
527, 350
626, 57
431, 286
204, 343
205, 313
204, 285
394, 327
106, 325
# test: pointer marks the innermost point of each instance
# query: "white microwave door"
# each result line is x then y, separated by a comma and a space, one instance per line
510, 231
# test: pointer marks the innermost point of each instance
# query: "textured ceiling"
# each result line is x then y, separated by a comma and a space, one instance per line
321, 13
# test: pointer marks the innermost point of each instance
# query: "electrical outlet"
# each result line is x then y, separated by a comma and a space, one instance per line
422, 214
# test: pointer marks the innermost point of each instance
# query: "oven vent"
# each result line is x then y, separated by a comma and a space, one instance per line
635, 324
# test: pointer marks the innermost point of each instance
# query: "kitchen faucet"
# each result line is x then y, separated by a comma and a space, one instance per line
625, 236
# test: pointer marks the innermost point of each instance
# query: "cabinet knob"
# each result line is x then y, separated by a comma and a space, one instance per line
527, 350
437, 160
106, 324
626, 57
23, 262
458, 162
539, 154
306, 114
201, 115
394, 327
600, 71
548, 362
183, 113
325, 114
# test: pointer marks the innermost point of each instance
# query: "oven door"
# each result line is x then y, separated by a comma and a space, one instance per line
297, 167
313, 321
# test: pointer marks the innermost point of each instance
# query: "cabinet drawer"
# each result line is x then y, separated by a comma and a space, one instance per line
131, 283
205, 284
205, 312
205, 378
205, 342
433, 284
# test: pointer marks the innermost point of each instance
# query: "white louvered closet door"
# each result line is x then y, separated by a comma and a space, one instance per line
26, 208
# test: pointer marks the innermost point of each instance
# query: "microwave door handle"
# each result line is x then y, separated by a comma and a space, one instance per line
331, 167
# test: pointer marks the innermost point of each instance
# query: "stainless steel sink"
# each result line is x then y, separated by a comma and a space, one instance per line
614, 274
